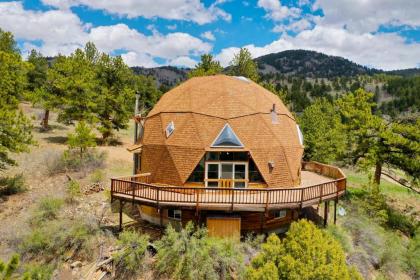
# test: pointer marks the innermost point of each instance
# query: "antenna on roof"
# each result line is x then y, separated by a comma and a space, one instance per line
274, 108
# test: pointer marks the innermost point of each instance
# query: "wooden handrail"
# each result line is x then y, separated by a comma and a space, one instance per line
264, 197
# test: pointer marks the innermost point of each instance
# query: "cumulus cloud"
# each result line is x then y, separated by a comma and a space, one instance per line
188, 10
276, 11
385, 50
296, 26
363, 16
183, 61
208, 35
61, 31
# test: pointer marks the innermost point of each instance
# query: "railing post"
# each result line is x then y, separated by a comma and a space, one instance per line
232, 198
133, 186
321, 193
301, 197
267, 198
197, 203
157, 196
112, 190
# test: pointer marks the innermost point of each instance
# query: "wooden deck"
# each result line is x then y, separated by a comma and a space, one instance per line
319, 183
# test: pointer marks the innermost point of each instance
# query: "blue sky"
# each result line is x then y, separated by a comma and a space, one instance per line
378, 33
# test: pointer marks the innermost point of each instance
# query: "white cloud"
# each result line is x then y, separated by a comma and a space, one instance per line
296, 26
183, 61
138, 59
188, 10
208, 35
171, 27
367, 16
385, 51
276, 11
61, 31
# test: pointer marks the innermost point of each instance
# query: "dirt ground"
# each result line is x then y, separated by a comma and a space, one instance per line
15, 210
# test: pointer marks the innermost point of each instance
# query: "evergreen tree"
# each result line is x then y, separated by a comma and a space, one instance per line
82, 138
372, 142
206, 67
242, 64
323, 131
40, 93
15, 128
116, 94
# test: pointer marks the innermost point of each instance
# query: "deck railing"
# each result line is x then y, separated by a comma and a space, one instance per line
137, 188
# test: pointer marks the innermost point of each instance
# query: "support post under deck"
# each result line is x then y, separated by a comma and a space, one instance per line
326, 208
335, 210
121, 217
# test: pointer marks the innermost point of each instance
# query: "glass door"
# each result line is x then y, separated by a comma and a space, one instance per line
226, 174
212, 175
240, 175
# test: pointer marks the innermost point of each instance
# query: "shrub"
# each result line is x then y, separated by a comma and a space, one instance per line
47, 209
70, 161
8, 269
56, 237
97, 176
191, 254
134, 250
82, 139
305, 253
38, 272
73, 190
413, 255
12, 185
401, 222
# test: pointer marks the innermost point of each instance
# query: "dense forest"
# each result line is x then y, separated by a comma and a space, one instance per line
362, 120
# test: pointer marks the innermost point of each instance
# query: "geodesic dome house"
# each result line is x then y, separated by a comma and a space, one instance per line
198, 127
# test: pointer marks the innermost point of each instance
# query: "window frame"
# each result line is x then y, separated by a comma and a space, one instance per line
171, 124
219, 163
280, 216
173, 217
224, 146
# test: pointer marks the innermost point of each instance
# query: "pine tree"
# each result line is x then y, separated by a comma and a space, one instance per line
82, 139
39, 92
206, 67
242, 64
15, 128
323, 131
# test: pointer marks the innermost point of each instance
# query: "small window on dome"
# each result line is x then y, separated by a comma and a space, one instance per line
300, 135
227, 138
170, 129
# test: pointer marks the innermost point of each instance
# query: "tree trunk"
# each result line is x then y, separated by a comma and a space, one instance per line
44, 122
378, 172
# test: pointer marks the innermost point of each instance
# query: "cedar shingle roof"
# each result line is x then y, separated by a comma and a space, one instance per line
200, 108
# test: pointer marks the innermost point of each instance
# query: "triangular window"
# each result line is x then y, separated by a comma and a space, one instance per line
227, 138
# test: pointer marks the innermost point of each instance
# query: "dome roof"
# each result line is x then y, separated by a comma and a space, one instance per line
189, 120
220, 96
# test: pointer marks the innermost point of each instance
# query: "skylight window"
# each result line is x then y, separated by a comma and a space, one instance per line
299, 134
170, 129
227, 138
242, 78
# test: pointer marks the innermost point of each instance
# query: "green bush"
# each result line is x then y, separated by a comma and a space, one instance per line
413, 255
47, 209
82, 139
192, 254
12, 185
134, 250
97, 176
73, 190
70, 161
8, 269
401, 222
54, 238
38, 272
305, 253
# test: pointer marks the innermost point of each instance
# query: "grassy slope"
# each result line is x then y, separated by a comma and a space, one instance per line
379, 252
